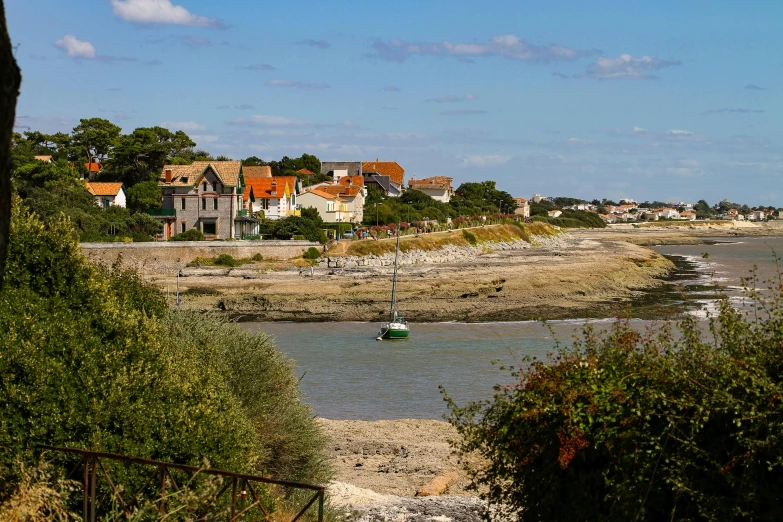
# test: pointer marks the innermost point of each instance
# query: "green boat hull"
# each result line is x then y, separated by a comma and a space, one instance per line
395, 334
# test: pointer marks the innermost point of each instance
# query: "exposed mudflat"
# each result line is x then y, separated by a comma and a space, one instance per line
565, 276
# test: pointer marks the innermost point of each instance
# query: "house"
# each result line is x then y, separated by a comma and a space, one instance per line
274, 196
256, 172
330, 207
538, 198
688, 215
337, 169
554, 213
757, 215
206, 196
352, 194
670, 213
45, 159
92, 167
107, 194
608, 218
384, 184
523, 207
437, 187
384, 168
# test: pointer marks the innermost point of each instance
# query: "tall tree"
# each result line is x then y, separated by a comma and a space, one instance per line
139, 156
10, 80
94, 138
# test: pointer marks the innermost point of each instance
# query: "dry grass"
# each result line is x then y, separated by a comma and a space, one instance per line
39, 498
437, 241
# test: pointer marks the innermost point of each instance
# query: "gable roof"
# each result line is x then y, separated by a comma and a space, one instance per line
188, 175
321, 193
342, 190
433, 182
103, 188
262, 187
257, 172
385, 168
305, 172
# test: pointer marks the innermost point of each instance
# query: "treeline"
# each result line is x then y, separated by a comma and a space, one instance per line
97, 148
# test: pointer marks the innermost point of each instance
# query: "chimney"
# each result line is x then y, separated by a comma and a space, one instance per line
274, 188
168, 175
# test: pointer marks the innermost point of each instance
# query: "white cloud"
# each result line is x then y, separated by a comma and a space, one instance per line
76, 48
298, 85
204, 138
452, 98
183, 125
507, 46
159, 12
679, 132
484, 161
625, 66
268, 120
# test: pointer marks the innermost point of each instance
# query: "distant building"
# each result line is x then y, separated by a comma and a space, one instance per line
437, 187
107, 194
206, 196
46, 159
275, 196
538, 198
522, 208
384, 168
330, 207
555, 213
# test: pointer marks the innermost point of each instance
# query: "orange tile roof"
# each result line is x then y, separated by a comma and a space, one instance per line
92, 167
352, 180
385, 168
103, 188
257, 172
306, 172
342, 190
440, 182
44, 158
262, 187
322, 193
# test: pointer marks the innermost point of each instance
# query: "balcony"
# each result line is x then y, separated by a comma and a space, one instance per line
162, 212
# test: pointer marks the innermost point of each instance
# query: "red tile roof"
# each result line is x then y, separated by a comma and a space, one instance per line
103, 188
305, 172
262, 187
320, 192
352, 180
433, 182
385, 168
342, 190
92, 167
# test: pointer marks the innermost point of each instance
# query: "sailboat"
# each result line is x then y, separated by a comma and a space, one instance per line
397, 327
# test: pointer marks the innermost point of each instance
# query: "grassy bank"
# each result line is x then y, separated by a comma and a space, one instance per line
464, 237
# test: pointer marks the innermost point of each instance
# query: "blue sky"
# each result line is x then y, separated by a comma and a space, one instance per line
665, 100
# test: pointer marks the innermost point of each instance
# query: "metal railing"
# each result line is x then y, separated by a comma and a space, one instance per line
239, 483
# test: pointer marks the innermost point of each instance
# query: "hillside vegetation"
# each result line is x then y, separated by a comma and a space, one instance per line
511, 231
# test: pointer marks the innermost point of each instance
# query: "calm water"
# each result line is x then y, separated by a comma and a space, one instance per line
350, 375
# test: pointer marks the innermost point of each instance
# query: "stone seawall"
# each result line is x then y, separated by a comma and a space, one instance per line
160, 258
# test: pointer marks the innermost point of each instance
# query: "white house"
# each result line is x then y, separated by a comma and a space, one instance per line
670, 213
523, 207
554, 213
330, 207
437, 187
107, 194
275, 196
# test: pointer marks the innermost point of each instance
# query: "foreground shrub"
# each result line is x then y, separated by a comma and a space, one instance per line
682, 422
92, 358
189, 235
311, 253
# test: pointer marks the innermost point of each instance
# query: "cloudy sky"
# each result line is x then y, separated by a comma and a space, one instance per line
662, 100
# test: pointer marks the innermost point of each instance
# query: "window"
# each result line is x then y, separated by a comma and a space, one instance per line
182, 224
265, 204
183, 203
214, 203
209, 229
329, 206
203, 203
214, 187
205, 186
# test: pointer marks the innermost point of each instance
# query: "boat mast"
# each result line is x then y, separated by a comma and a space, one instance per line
392, 311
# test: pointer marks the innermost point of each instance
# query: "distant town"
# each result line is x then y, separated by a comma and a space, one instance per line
153, 184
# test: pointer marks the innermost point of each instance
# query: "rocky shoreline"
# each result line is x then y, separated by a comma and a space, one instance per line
551, 277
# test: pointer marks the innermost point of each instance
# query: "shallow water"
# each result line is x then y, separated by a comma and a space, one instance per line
347, 374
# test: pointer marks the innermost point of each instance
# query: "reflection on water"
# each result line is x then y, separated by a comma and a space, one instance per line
350, 375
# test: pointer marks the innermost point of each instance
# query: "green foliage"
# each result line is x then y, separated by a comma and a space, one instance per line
311, 253
469, 237
678, 422
93, 358
257, 257
481, 198
572, 219
226, 260
192, 234
293, 226
140, 156
144, 196
93, 139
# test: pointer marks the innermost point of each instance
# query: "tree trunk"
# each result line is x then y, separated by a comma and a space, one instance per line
10, 80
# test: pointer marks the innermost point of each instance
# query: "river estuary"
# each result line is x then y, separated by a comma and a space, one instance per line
347, 374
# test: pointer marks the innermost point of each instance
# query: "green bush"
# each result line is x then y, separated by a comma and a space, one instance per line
226, 260
311, 253
470, 238
189, 235
93, 358
682, 422
257, 257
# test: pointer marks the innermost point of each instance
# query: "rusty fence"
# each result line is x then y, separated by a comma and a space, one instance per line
245, 503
